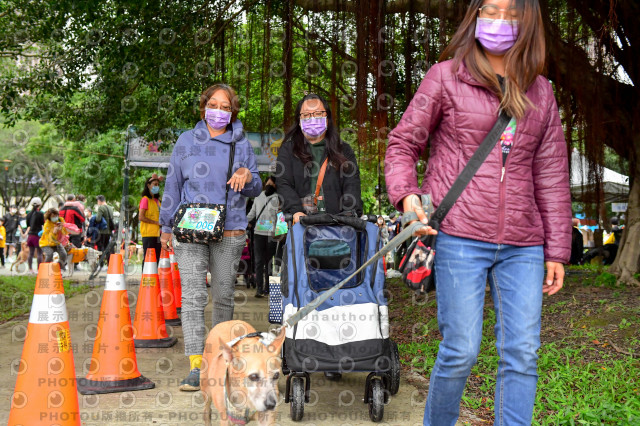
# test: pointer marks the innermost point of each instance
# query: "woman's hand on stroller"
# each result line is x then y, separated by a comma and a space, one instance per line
412, 203
297, 216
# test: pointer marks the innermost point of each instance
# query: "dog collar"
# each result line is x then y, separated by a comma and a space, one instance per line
265, 338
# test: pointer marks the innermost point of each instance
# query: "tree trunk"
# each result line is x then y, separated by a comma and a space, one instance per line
249, 59
377, 44
408, 56
287, 58
362, 71
267, 67
627, 263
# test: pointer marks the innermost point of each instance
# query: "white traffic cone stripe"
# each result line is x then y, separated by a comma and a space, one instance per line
172, 258
48, 309
150, 268
164, 263
115, 282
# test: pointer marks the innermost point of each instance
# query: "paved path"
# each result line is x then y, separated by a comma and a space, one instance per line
332, 403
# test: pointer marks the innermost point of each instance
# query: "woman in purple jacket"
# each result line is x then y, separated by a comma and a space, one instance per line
513, 217
198, 174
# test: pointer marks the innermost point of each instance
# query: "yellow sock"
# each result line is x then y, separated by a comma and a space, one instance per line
195, 361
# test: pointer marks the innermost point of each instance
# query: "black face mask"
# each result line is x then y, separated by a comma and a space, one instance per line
269, 190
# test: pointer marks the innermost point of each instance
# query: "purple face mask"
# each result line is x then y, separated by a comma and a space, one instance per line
314, 126
497, 36
217, 118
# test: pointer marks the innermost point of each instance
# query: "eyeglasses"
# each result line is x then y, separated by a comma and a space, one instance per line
491, 11
222, 107
315, 114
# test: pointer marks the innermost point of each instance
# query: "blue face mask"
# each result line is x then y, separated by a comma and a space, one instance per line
155, 190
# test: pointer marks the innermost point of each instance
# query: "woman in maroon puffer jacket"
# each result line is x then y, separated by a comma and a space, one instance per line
514, 216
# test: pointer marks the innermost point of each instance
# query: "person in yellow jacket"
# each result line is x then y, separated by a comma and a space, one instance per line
149, 214
52, 239
3, 241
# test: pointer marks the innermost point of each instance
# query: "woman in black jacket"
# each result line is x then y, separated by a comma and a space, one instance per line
311, 140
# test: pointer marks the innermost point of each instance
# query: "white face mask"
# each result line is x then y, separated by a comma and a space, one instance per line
54, 219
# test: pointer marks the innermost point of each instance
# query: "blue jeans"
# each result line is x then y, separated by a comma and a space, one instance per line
515, 277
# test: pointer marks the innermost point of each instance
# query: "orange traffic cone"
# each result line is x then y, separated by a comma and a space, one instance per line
149, 329
113, 365
177, 282
45, 391
167, 296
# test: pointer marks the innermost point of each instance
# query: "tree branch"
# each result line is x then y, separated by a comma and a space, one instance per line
328, 42
228, 21
597, 23
571, 68
395, 6
315, 57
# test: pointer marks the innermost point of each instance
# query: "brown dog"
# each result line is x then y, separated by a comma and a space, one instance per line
240, 374
22, 256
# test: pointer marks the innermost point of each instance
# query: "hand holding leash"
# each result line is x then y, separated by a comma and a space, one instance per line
415, 210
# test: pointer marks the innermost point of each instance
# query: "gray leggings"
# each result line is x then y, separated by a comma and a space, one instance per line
222, 259
48, 254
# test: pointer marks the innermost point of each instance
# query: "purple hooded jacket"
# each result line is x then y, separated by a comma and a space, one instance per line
198, 174
530, 206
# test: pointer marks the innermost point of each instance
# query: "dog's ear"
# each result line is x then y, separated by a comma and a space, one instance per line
226, 350
275, 346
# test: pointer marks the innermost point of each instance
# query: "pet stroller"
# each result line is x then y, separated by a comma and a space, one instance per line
349, 332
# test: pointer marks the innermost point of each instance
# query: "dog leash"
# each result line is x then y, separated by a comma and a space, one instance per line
238, 416
313, 305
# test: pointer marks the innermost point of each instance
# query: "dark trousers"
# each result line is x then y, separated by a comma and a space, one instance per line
263, 249
34, 250
2, 255
151, 243
103, 242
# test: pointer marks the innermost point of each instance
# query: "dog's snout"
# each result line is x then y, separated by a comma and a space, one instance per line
270, 403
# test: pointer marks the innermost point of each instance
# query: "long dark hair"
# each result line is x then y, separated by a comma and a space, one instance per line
333, 145
146, 192
523, 62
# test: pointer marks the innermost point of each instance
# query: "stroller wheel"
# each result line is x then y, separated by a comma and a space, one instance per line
297, 399
376, 400
394, 371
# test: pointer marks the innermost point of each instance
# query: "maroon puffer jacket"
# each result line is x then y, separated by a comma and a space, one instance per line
530, 206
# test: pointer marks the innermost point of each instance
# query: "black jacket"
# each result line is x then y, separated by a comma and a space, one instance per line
341, 190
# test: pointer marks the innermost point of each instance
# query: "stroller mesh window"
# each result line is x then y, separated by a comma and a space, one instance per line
329, 254
332, 253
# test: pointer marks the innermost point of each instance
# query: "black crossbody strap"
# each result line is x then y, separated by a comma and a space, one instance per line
232, 157
266, 203
469, 170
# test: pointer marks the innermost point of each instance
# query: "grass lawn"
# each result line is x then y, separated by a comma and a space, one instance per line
589, 362
16, 294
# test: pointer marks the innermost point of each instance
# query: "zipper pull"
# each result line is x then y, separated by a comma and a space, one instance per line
502, 177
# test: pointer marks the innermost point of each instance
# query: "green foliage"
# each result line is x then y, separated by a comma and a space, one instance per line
571, 388
16, 294
606, 279
34, 162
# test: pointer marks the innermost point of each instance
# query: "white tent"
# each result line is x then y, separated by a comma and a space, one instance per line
615, 185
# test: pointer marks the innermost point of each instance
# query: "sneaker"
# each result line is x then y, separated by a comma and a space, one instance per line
259, 294
192, 382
